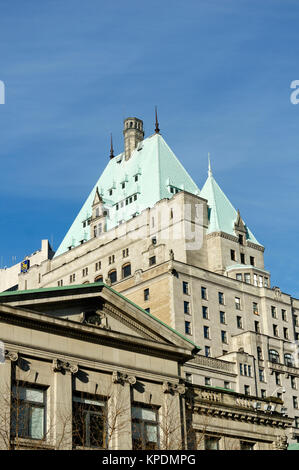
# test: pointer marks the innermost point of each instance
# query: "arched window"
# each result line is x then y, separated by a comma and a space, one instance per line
126, 270
273, 356
259, 353
289, 360
112, 276
99, 279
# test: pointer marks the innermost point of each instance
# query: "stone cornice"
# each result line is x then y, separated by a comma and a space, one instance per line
235, 239
67, 328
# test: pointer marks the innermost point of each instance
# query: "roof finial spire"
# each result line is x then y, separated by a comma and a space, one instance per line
157, 130
210, 169
111, 148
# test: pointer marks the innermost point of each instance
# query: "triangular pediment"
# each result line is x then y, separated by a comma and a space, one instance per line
107, 312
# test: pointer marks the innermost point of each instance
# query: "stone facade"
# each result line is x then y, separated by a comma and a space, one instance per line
123, 372
205, 280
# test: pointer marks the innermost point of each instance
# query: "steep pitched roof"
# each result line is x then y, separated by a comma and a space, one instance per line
158, 171
222, 215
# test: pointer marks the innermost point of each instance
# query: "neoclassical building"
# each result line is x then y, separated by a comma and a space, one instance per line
186, 256
83, 368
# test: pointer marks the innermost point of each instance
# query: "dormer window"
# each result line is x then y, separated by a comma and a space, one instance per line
110, 192
241, 239
136, 178
123, 185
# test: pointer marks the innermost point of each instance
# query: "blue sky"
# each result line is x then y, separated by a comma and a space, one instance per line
220, 73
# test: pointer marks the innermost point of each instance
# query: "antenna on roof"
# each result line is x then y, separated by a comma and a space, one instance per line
157, 130
111, 148
210, 169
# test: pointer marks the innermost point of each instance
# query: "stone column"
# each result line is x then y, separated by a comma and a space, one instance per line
62, 404
119, 413
171, 426
5, 398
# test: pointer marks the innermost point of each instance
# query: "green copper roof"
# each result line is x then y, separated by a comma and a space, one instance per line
222, 214
157, 171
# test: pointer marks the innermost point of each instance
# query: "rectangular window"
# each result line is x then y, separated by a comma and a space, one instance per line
239, 277
227, 385
273, 312
145, 428
185, 288
247, 278
266, 282
263, 393
89, 421
60, 283
206, 332
207, 381
28, 412
205, 312
239, 322
277, 378
286, 333
275, 330
255, 283
252, 260
293, 382
84, 272
255, 308
204, 294
260, 281
125, 252
233, 255
245, 445
261, 375
211, 443
246, 390
72, 278
295, 402
207, 351
188, 329
237, 303
111, 259
98, 266
146, 294
242, 258
223, 336
152, 260
222, 317
284, 315
241, 239
221, 298
186, 307
257, 327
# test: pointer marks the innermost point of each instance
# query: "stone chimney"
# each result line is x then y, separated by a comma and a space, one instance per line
133, 134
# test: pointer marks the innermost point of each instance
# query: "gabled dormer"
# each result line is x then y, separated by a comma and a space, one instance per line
99, 214
240, 229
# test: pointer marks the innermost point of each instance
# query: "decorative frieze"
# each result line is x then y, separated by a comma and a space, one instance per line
122, 378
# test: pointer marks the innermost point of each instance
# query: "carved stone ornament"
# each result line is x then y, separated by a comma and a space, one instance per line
63, 366
171, 387
280, 443
12, 356
121, 378
171, 255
